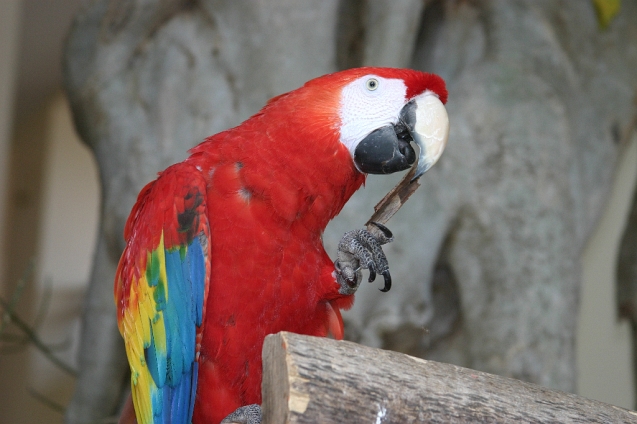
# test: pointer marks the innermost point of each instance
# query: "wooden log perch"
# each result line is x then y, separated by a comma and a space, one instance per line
318, 380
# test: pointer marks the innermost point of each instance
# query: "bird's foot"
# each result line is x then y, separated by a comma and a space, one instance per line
249, 414
358, 250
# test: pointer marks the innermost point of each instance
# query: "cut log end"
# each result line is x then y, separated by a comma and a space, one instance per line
312, 379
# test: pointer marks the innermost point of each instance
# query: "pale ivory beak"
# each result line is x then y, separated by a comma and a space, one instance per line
430, 131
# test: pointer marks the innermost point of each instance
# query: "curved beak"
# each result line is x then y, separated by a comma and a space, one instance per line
426, 119
386, 150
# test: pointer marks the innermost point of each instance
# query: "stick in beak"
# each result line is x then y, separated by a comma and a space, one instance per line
426, 119
428, 123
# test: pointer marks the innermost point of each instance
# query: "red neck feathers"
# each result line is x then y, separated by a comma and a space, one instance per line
289, 157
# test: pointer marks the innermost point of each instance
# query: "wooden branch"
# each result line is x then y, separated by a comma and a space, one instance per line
318, 380
394, 200
37, 342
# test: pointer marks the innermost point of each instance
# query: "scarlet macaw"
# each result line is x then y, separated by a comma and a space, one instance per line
225, 247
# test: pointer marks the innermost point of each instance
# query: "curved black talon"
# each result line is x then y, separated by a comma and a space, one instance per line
372, 275
387, 277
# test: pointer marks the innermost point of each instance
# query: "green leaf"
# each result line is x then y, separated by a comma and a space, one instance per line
606, 11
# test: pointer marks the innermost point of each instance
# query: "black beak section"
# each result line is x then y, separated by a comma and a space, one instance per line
384, 151
422, 120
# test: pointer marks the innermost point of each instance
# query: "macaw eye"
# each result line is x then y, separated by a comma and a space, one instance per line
372, 84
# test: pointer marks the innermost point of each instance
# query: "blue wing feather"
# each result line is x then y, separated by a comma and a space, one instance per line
161, 305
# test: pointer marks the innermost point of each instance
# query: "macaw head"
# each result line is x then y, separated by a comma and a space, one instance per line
348, 124
376, 113
383, 110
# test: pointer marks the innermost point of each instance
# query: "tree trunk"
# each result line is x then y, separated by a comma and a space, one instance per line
627, 279
318, 380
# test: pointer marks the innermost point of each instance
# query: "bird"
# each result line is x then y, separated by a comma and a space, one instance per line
226, 246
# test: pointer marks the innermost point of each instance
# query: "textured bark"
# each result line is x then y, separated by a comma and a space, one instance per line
317, 380
627, 278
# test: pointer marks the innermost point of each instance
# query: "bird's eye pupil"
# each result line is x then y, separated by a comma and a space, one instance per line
372, 84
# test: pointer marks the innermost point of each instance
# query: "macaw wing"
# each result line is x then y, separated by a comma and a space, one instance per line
161, 287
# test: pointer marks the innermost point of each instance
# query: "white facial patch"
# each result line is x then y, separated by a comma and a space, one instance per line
368, 103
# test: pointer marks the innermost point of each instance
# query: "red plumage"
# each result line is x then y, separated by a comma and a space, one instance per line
276, 181
271, 186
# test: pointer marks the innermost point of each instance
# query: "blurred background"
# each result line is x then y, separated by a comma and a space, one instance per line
49, 218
